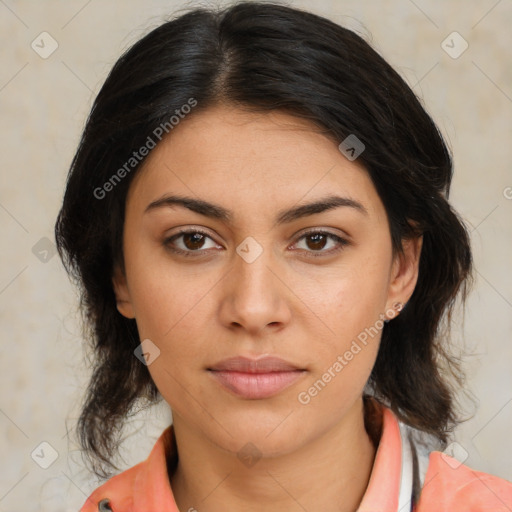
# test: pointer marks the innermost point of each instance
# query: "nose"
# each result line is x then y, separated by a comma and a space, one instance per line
254, 295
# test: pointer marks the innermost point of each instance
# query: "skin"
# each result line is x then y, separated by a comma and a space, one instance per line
307, 310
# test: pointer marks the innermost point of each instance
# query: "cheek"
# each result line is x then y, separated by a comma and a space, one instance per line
166, 297
169, 315
171, 312
173, 315
350, 311
350, 297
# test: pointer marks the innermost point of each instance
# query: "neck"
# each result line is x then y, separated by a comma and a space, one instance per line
330, 473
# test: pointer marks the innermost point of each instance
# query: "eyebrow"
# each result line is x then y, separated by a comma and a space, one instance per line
218, 212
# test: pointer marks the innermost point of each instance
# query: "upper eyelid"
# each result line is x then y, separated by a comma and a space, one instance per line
326, 231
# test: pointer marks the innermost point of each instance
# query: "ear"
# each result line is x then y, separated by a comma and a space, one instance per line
123, 299
404, 273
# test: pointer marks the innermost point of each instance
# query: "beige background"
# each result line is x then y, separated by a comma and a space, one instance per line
44, 103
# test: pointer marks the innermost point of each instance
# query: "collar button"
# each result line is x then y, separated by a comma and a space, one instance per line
104, 506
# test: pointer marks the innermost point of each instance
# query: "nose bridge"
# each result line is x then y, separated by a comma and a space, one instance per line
252, 267
254, 289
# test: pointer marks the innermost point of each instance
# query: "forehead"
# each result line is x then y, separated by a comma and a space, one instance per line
225, 154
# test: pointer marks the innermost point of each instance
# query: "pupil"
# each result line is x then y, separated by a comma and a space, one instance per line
196, 240
316, 243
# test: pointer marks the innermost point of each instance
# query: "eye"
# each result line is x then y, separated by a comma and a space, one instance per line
318, 240
189, 241
193, 241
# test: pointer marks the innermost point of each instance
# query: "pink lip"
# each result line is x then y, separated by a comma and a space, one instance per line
256, 378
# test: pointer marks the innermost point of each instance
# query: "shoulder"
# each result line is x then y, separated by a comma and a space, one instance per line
118, 489
450, 485
144, 486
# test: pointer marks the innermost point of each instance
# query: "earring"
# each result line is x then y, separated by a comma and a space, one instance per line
397, 307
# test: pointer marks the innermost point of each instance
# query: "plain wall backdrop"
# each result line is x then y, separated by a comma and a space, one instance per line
44, 101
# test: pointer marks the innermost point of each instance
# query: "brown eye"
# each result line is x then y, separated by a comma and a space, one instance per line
316, 241
192, 241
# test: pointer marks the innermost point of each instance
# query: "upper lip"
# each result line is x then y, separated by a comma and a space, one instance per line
247, 365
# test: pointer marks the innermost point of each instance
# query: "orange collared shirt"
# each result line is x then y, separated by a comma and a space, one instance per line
447, 484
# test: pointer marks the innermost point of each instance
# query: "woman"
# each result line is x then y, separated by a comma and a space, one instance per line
257, 216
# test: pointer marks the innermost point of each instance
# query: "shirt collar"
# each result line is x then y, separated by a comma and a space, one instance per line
152, 489
382, 493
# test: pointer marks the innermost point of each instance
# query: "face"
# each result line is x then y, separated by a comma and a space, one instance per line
258, 274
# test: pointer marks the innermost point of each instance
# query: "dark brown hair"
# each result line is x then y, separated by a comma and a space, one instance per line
263, 57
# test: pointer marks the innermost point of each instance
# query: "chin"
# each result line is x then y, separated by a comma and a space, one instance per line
265, 435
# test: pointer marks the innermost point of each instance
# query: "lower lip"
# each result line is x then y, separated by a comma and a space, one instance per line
256, 385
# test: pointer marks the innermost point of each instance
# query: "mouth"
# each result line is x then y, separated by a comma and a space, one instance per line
255, 379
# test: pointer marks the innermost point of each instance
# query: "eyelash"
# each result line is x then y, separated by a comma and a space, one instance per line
314, 254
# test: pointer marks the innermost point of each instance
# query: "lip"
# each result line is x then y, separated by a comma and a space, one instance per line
256, 378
